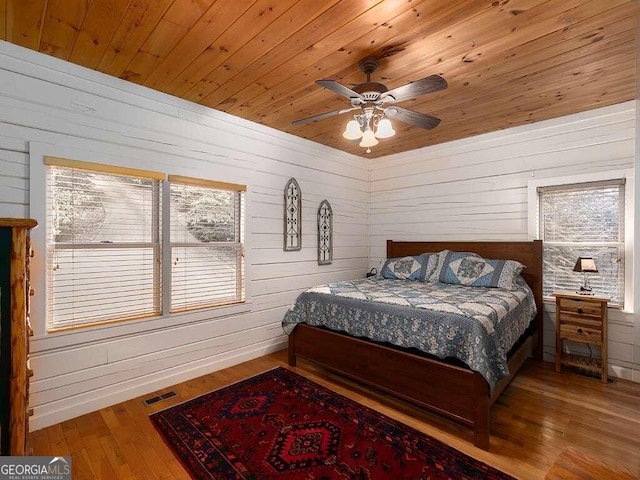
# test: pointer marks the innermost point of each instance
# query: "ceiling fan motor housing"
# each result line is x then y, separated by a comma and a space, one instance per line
370, 91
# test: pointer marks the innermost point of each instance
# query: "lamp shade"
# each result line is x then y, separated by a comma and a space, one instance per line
585, 264
352, 131
385, 129
368, 139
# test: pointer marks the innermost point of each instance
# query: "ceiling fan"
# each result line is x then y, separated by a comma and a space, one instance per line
376, 104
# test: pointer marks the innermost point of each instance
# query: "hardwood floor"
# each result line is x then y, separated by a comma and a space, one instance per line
539, 415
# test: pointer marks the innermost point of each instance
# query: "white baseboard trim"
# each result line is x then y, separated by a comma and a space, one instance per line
59, 411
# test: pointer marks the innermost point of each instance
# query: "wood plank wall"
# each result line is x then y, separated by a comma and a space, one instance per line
476, 189
51, 106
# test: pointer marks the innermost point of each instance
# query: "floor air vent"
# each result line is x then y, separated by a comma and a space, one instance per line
158, 398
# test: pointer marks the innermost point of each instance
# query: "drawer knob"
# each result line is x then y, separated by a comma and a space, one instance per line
580, 331
580, 311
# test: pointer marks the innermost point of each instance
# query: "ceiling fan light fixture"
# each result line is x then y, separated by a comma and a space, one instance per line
368, 139
372, 99
352, 131
385, 129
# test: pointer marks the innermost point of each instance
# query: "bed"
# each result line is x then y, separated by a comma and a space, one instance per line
446, 387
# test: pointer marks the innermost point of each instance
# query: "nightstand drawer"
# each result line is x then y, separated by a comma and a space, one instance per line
580, 320
579, 333
580, 307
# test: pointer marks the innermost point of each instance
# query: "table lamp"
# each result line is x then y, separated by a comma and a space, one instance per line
585, 265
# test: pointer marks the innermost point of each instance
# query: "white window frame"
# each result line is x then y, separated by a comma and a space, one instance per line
533, 214
37, 200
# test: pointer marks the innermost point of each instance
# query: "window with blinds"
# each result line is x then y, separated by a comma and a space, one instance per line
583, 220
103, 244
207, 243
126, 244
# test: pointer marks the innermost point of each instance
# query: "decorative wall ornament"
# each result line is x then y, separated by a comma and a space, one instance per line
325, 233
292, 216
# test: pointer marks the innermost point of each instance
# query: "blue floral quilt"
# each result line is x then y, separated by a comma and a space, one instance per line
476, 325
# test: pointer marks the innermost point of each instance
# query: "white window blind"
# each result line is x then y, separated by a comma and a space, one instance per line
103, 244
583, 220
207, 243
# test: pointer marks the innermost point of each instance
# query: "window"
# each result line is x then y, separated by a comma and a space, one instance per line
103, 245
585, 219
207, 246
110, 233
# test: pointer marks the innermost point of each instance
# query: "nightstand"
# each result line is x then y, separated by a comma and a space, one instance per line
582, 319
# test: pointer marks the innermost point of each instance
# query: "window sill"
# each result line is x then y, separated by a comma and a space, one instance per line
98, 333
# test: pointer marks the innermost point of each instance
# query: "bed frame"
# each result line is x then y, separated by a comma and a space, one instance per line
450, 390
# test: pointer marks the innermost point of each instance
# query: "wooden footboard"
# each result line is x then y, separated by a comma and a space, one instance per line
456, 392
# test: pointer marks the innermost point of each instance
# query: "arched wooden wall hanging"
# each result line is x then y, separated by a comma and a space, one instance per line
325, 233
292, 216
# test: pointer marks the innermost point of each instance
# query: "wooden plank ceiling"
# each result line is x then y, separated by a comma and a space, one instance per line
507, 62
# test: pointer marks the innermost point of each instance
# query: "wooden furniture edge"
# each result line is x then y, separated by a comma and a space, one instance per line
580, 296
18, 222
20, 331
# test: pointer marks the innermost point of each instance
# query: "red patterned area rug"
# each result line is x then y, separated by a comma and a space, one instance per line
279, 425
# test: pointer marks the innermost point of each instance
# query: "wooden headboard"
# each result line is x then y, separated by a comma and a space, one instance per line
527, 253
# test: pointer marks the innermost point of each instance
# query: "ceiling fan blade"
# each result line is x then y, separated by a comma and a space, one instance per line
338, 88
415, 89
322, 116
416, 119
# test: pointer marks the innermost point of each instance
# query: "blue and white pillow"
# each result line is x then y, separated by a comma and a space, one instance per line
415, 267
470, 269
440, 265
